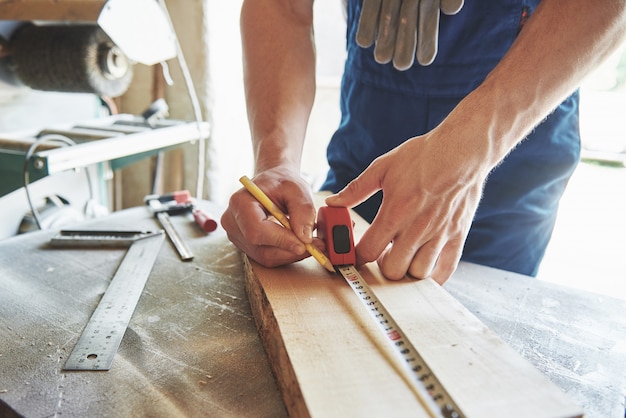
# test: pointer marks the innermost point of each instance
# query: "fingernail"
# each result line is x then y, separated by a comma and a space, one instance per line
331, 197
307, 232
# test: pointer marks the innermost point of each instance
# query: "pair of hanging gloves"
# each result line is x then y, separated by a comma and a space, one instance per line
403, 29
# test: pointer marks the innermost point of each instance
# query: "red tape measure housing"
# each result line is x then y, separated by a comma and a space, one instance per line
334, 227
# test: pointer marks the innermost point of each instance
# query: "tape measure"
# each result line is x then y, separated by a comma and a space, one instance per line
101, 338
334, 226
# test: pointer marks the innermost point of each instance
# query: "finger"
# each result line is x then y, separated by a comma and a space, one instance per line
368, 22
394, 260
387, 29
250, 224
427, 32
267, 255
448, 260
272, 256
377, 242
451, 7
373, 245
357, 191
424, 260
406, 39
270, 233
301, 214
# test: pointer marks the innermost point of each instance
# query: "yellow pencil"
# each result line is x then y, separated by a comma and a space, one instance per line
282, 218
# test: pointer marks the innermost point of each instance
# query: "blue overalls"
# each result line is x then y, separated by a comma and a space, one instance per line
382, 107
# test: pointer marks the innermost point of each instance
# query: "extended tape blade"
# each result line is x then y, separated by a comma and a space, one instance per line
101, 338
430, 391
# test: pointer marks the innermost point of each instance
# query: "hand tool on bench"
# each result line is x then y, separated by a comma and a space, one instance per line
183, 197
334, 226
205, 222
162, 212
101, 338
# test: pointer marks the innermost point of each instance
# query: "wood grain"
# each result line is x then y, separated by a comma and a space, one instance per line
331, 360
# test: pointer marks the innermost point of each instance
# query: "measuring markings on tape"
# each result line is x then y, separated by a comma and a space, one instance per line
334, 226
431, 392
101, 338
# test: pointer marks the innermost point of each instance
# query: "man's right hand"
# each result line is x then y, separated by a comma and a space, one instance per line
255, 232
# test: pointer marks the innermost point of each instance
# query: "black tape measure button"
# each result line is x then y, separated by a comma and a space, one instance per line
341, 239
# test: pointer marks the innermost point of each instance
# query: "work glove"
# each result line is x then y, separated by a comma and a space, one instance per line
394, 26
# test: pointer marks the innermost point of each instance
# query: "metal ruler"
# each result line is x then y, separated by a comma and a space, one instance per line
335, 228
99, 238
101, 338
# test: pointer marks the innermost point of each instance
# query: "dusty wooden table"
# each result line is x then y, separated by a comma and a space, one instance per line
577, 339
192, 348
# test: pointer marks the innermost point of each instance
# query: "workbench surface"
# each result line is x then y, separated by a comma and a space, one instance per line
192, 348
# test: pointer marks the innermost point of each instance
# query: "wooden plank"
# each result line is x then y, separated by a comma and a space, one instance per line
70, 10
331, 360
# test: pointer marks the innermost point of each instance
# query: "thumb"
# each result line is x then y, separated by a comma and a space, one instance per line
357, 191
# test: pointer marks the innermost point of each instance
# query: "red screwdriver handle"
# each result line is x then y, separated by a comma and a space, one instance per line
334, 227
205, 221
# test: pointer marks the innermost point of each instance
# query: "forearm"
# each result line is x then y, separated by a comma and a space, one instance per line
559, 46
279, 78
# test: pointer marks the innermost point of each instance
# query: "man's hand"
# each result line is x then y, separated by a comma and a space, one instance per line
400, 27
430, 196
256, 233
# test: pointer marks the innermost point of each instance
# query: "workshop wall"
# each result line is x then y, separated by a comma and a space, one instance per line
231, 136
180, 170
208, 32
26, 109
